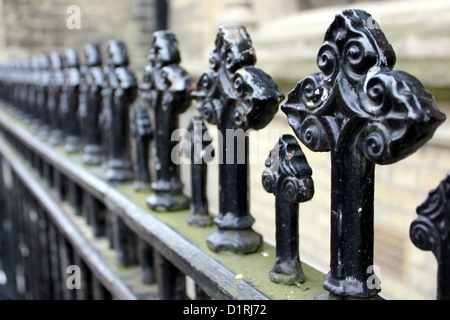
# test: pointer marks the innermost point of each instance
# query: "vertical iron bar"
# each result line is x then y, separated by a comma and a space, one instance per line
85, 292
65, 260
125, 244
430, 231
96, 215
162, 14
44, 254
54, 259
195, 148
171, 282
75, 197
166, 91
147, 263
228, 94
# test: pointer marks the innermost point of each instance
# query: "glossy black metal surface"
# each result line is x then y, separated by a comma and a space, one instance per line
166, 90
119, 92
430, 231
199, 151
54, 99
364, 113
288, 177
70, 101
42, 95
357, 108
142, 133
235, 96
32, 94
90, 105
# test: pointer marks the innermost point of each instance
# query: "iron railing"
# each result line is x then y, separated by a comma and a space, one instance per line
73, 203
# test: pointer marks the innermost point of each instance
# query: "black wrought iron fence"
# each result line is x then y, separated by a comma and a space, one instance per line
81, 220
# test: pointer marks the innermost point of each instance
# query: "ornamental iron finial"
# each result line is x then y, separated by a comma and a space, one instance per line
198, 149
235, 96
166, 90
54, 99
42, 95
288, 177
364, 113
90, 104
431, 232
119, 92
142, 133
70, 100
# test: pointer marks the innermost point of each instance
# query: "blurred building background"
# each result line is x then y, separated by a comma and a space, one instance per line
286, 35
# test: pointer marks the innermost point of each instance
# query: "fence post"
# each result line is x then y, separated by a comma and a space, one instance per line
121, 91
235, 96
26, 90
166, 89
195, 148
430, 232
69, 101
33, 82
54, 98
171, 281
288, 177
90, 105
42, 95
142, 134
364, 113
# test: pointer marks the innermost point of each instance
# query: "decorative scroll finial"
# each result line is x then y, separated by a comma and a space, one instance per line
27, 90
234, 95
196, 144
120, 93
42, 95
33, 83
70, 101
364, 113
90, 105
142, 133
431, 232
288, 177
166, 90
54, 98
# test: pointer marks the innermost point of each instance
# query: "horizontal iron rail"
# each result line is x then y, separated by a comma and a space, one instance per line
91, 257
215, 279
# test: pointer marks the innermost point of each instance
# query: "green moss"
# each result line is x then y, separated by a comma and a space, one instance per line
254, 267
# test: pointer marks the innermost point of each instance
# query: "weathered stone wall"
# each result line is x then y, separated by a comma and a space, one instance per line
30, 26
